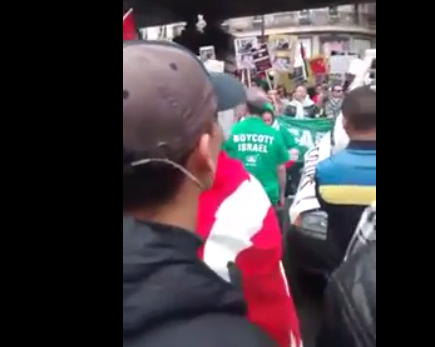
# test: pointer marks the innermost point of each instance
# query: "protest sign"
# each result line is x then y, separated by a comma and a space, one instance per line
307, 132
282, 50
207, 52
339, 66
212, 65
261, 58
243, 48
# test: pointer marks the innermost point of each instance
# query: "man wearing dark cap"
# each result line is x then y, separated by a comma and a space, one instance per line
171, 142
260, 147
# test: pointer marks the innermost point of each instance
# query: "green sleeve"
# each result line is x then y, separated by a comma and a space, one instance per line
288, 138
281, 150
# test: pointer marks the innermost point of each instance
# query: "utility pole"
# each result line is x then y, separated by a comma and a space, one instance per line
263, 29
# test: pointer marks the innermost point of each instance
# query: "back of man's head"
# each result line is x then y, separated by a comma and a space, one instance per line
359, 109
256, 99
168, 127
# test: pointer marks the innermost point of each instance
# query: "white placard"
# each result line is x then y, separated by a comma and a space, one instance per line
243, 48
340, 64
214, 65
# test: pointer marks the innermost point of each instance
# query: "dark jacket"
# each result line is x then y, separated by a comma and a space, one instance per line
350, 303
345, 187
172, 299
309, 111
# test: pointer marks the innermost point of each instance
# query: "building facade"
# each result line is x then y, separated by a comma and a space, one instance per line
348, 28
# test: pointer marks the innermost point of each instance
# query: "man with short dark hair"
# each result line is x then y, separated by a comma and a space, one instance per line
260, 147
334, 102
171, 144
346, 181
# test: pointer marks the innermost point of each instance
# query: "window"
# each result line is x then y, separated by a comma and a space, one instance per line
360, 45
304, 17
304, 14
333, 11
162, 33
335, 44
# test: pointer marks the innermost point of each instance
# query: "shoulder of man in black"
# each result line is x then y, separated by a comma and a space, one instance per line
350, 303
171, 298
208, 330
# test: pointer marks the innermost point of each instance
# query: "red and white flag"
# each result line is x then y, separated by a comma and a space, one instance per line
239, 225
129, 30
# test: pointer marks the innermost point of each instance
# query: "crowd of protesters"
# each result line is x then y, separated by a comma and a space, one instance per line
303, 102
203, 170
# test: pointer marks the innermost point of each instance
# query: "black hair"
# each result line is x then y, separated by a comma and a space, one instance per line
155, 183
359, 108
254, 110
311, 91
151, 184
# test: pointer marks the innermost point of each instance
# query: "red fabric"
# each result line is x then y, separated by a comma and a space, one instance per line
289, 164
318, 66
315, 98
269, 303
129, 30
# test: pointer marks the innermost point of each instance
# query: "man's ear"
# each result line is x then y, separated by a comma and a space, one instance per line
345, 123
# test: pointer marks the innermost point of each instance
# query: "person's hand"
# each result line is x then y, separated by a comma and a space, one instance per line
282, 200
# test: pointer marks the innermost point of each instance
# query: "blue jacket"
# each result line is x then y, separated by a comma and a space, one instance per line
345, 186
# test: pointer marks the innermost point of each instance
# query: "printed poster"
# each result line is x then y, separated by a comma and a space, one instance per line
282, 50
243, 48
